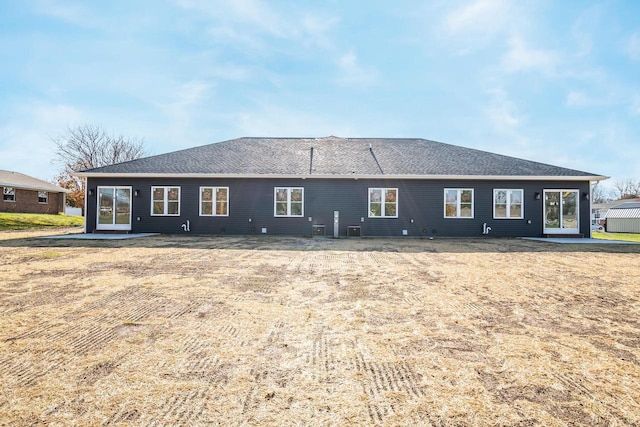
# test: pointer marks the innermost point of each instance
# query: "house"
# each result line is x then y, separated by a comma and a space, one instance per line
26, 194
338, 187
599, 212
624, 218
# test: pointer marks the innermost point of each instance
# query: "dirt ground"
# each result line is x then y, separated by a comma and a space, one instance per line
175, 330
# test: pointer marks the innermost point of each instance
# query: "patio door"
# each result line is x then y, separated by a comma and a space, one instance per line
561, 213
114, 208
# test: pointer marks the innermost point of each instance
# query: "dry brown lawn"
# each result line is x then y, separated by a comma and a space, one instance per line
175, 330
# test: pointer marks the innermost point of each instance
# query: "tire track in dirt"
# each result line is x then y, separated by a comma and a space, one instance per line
384, 378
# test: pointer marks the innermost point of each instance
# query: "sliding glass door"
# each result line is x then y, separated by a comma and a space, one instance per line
561, 212
114, 208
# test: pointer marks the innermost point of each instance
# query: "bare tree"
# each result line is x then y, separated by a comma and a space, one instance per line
599, 193
86, 147
626, 189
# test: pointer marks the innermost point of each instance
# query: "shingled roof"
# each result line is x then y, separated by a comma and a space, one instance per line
336, 157
26, 182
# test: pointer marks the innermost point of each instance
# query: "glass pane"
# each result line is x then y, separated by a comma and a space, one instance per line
173, 208
516, 210
390, 209
516, 196
501, 211
221, 208
105, 206
296, 195
451, 196
123, 206
552, 209
281, 208
207, 208
174, 193
221, 194
569, 214
158, 208
296, 208
451, 210
207, 194
500, 197
466, 196
158, 194
465, 210
390, 196
281, 195
375, 209
375, 196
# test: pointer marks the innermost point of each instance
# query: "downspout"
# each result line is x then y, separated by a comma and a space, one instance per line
311, 161
86, 200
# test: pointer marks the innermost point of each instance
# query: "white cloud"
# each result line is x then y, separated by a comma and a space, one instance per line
479, 22
75, 14
585, 27
523, 58
353, 74
478, 16
633, 46
578, 99
502, 112
186, 101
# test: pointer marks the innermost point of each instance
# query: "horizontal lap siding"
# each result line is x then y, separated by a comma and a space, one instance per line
422, 201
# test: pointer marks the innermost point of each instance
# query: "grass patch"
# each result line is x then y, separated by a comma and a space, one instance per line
25, 221
627, 237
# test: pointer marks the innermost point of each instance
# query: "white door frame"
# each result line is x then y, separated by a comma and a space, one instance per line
113, 225
560, 229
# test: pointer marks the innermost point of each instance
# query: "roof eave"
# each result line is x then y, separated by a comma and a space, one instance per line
34, 188
349, 176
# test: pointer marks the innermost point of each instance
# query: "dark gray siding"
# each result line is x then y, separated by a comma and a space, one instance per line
420, 207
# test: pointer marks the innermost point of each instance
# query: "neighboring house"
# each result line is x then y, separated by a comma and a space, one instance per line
624, 218
26, 194
599, 211
338, 187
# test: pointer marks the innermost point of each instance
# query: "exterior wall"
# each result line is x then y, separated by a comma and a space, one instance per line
623, 225
420, 207
27, 202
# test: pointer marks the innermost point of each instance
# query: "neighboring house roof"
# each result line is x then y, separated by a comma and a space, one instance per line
337, 157
625, 210
26, 182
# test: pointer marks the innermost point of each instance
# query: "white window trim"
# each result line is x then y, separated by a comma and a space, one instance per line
459, 202
289, 191
6, 193
508, 205
46, 197
213, 200
382, 201
166, 199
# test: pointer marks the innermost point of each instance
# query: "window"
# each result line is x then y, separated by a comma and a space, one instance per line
214, 196
383, 203
458, 203
288, 201
507, 204
43, 197
165, 201
9, 194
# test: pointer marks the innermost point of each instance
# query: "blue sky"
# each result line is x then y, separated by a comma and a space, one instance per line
551, 81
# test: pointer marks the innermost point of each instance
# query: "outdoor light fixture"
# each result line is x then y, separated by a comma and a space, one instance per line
136, 193
586, 196
537, 195
91, 192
